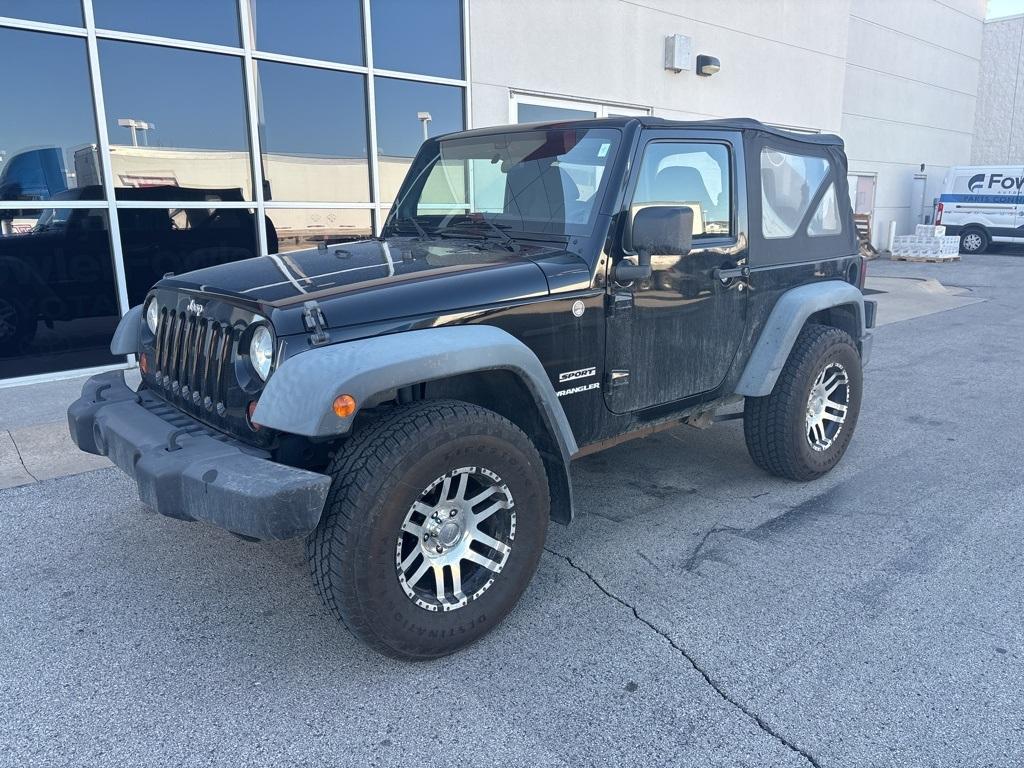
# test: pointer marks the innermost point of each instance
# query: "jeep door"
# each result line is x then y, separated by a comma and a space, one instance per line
672, 338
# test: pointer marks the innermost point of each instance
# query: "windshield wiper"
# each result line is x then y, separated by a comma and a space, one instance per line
460, 227
420, 231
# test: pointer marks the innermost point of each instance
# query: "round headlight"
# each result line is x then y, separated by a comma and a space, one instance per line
261, 351
152, 315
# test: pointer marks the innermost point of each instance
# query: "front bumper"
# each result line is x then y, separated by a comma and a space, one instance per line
187, 471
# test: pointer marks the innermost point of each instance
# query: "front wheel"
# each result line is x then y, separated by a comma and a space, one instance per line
433, 527
802, 429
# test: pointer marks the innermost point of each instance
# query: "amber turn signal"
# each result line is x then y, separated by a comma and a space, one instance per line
344, 406
144, 363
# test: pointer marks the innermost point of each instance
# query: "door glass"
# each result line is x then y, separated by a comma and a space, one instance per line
788, 184
690, 174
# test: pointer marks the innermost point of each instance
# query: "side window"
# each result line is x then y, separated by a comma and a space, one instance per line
826, 219
692, 174
788, 184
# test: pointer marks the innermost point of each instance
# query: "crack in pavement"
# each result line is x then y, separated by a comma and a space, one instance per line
21, 459
715, 685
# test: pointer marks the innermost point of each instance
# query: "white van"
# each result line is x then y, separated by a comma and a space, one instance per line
983, 204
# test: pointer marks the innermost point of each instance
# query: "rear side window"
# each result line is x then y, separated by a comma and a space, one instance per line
789, 183
826, 219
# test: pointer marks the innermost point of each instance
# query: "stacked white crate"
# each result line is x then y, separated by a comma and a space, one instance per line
928, 243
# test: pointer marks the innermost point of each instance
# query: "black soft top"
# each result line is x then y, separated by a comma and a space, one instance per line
731, 123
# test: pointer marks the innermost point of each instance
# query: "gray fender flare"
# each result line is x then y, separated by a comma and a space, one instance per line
299, 394
784, 324
125, 340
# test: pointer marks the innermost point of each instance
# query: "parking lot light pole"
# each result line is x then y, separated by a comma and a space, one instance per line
424, 117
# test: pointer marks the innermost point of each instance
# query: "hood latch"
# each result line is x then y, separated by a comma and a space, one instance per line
316, 324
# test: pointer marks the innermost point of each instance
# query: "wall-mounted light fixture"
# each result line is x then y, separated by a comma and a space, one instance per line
707, 65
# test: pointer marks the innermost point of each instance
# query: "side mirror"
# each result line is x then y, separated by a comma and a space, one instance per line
658, 230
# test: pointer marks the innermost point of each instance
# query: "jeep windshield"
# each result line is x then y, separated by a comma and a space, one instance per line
548, 182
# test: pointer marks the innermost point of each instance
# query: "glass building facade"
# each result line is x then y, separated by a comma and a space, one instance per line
140, 137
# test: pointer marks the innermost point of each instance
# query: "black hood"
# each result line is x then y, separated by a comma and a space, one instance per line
373, 280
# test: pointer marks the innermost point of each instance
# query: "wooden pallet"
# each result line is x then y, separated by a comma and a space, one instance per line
927, 259
862, 222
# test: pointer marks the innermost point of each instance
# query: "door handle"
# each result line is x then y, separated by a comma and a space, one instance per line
731, 273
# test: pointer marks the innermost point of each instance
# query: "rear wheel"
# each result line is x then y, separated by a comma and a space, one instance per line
974, 240
433, 527
802, 429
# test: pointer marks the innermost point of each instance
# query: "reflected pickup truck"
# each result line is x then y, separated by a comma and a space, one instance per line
410, 404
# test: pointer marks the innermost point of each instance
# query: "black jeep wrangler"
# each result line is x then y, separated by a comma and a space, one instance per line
411, 403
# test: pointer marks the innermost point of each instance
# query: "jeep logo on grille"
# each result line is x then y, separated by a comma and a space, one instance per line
195, 307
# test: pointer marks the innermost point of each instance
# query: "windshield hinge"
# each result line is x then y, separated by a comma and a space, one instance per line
620, 304
313, 319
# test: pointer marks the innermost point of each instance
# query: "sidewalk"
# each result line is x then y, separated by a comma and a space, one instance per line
34, 440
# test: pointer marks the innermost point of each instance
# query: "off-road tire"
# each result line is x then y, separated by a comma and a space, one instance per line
775, 425
377, 475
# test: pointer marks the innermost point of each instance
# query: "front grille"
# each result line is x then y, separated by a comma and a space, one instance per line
194, 360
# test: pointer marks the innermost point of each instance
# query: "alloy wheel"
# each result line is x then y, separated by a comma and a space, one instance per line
455, 539
827, 406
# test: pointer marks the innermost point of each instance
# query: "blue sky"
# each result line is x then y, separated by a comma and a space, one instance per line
997, 8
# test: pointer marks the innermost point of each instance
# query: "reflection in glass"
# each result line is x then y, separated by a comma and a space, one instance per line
417, 36
400, 130
58, 303
176, 120
297, 228
160, 240
547, 181
68, 12
47, 132
314, 29
542, 113
690, 174
208, 21
313, 134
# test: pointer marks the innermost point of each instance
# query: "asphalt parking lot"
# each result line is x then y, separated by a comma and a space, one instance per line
697, 612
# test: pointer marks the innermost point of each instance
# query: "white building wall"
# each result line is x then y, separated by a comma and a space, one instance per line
782, 61
910, 96
999, 127
898, 79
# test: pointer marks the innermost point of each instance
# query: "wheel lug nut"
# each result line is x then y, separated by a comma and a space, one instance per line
453, 513
440, 549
